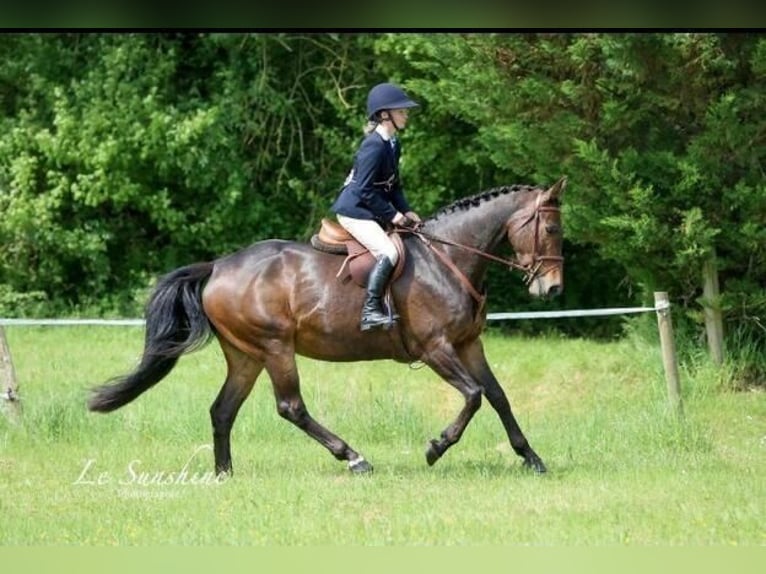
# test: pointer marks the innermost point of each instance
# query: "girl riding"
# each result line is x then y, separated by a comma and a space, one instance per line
372, 198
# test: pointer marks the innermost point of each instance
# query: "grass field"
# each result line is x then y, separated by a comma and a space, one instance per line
623, 468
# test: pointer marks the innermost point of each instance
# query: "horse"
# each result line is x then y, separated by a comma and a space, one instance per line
276, 299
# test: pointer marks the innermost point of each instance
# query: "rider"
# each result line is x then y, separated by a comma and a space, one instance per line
372, 197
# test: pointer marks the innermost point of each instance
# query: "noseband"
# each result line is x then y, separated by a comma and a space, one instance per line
531, 271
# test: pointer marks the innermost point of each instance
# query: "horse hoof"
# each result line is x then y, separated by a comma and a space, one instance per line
433, 453
536, 465
360, 466
224, 472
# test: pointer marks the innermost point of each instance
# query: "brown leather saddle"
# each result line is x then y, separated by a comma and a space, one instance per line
356, 267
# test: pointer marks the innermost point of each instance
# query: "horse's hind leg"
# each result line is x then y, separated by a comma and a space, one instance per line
284, 377
242, 373
475, 360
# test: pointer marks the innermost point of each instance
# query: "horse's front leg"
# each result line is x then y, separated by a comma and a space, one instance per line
445, 362
473, 357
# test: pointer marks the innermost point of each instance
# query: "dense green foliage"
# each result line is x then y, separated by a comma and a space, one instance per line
125, 155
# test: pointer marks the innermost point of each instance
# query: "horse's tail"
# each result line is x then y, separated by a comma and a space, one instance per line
175, 324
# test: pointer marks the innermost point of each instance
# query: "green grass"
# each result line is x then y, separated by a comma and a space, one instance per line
623, 468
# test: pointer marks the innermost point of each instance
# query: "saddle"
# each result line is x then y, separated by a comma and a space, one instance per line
333, 238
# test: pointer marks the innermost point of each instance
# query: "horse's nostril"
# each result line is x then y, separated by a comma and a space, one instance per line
554, 290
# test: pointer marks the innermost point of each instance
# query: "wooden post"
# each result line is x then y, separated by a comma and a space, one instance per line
662, 306
9, 396
712, 308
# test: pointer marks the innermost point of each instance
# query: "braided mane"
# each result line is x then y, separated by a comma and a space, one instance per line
465, 203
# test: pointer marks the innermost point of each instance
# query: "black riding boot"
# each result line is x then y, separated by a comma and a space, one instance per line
372, 311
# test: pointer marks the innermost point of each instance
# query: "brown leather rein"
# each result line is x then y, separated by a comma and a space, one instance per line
530, 271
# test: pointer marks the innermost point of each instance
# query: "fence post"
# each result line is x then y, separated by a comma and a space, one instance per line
712, 307
9, 399
662, 305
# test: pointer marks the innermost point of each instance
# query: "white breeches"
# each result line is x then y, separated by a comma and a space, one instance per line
371, 235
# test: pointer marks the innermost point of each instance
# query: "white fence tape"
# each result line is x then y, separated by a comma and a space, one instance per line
569, 313
490, 317
71, 321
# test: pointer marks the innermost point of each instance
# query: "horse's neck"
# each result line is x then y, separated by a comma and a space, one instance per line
480, 227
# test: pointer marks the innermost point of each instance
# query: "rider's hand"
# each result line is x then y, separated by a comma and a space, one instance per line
414, 216
407, 221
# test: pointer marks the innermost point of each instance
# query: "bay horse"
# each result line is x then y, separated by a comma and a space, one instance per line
276, 298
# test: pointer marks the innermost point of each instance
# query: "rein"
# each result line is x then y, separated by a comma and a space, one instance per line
530, 271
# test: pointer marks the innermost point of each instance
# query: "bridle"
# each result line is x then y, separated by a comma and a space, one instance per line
531, 271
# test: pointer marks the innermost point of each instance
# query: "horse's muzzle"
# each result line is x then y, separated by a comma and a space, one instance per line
546, 286
554, 291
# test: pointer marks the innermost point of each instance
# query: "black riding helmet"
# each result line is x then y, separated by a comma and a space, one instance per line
387, 97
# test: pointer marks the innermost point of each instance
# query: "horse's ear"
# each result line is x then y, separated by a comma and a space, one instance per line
555, 191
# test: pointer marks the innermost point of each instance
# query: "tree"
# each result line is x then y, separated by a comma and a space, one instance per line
660, 135
125, 155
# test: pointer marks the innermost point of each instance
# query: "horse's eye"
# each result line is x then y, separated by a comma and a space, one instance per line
552, 228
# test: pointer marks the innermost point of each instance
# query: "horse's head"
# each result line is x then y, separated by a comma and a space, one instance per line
534, 232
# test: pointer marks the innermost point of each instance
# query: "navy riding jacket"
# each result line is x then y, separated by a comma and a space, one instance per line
372, 190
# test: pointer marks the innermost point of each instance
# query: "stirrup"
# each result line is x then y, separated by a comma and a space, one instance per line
380, 320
